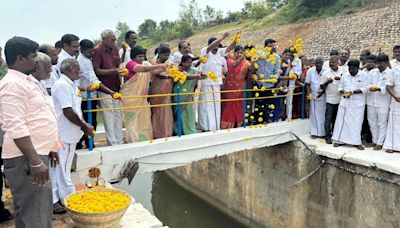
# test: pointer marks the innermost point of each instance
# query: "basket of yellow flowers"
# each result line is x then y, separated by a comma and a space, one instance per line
97, 207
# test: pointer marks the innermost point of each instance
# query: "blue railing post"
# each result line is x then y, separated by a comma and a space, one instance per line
303, 101
179, 112
244, 106
90, 118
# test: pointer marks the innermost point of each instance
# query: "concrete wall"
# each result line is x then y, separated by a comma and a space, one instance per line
256, 188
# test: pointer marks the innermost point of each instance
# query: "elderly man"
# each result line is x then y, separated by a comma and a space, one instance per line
87, 78
183, 49
67, 104
106, 63
210, 112
344, 56
53, 54
31, 134
353, 87
131, 39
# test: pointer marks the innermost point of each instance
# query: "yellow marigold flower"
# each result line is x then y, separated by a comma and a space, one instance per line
255, 65
257, 94
284, 65
260, 114
252, 117
255, 88
292, 76
374, 88
248, 106
263, 88
231, 55
124, 45
290, 41
262, 76
255, 78
246, 121
273, 63
272, 91
256, 109
97, 202
150, 141
79, 94
292, 49
184, 90
271, 115
232, 38
271, 106
275, 95
176, 74
260, 119
309, 97
95, 86
117, 96
203, 59
280, 71
296, 55
246, 114
223, 77
123, 71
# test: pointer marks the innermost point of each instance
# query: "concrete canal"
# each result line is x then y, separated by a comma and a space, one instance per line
174, 206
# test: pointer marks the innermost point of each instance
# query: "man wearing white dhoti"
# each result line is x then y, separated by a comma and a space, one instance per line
296, 68
210, 112
70, 122
378, 100
352, 86
317, 104
392, 139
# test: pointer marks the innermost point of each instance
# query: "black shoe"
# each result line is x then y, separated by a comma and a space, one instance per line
328, 141
79, 146
58, 209
5, 215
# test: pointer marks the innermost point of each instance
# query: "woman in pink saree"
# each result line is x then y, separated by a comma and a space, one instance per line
238, 70
138, 120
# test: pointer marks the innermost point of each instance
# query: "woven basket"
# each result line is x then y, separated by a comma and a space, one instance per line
97, 220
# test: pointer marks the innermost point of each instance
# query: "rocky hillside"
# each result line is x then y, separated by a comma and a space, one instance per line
373, 27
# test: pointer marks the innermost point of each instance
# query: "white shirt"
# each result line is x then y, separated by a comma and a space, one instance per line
87, 74
394, 81
351, 83
332, 94
394, 63
378, 98
177, 58
127, 55
61, 57
314, 79
65, 95
296, 69
54, 75
215, 63
326, 66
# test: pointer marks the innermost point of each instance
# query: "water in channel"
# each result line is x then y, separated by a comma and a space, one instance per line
172, 205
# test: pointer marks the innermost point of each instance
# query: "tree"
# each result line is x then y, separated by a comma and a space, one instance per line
209, 14
147, 27
259, 10
246, 9
191, 13
120, 30
166, 25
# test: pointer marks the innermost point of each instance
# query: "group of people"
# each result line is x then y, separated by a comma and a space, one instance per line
352, 100
45, 95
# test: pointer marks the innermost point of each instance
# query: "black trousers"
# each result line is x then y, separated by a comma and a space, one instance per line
84, 107
366, 131
330, 118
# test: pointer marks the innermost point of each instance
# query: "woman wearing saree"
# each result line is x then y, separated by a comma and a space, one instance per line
161, 117
188, 117
138, 120
238, 70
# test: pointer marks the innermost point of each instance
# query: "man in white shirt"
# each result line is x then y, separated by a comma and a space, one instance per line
329, 85
131, 39
353, 87
183, 49
71, 124
396, 54
52, 52
70, 49
317, 104
326, 63
344, 56
87, 78
392, 139
210, 112
295, 68
378, 100
368, 62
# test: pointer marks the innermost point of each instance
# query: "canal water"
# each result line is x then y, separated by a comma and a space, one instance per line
172, 205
